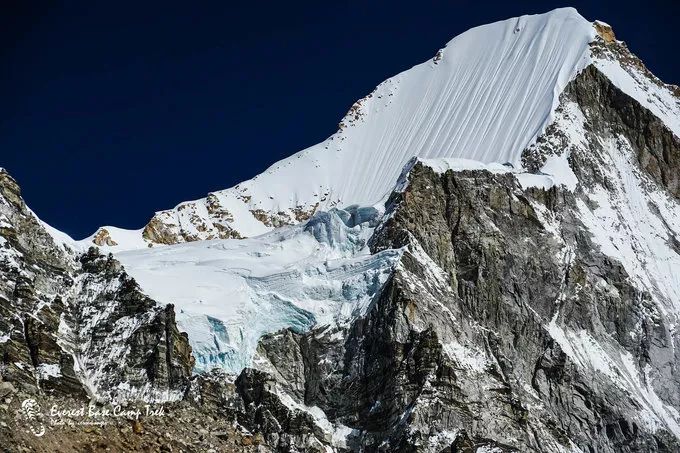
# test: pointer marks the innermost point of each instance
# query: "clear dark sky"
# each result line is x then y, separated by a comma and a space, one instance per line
113, 110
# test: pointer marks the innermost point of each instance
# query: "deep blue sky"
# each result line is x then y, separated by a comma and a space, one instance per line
113, 110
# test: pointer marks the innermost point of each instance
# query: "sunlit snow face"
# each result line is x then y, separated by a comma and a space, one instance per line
486, 96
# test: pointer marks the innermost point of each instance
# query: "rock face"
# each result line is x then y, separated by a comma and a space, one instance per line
79, 325
493, 332
126, 346
656, 148
35, 274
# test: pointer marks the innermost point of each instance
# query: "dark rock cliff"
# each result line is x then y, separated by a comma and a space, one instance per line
457, 352
79, 325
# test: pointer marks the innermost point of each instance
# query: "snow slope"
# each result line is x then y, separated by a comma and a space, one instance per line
485, 97
491, 92
559, 172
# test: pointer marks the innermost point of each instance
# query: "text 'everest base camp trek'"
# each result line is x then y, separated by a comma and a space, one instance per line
485, 257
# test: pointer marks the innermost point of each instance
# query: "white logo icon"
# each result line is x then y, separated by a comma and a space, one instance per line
31, 410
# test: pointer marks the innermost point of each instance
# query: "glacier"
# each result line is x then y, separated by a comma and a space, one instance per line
228, 293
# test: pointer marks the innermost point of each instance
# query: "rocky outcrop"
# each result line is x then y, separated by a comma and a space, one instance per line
605, 32
167, 227
657, 149
79, 325
103, 237
208, 219
119, 336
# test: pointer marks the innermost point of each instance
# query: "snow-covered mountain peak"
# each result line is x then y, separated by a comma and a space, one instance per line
526, 256
486, 96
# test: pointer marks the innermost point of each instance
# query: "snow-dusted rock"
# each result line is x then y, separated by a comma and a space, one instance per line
77, 324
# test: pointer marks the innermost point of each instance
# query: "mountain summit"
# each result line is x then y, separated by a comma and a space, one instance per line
486, 96
483, 258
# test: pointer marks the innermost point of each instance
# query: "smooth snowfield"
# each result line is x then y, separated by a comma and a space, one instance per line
228, 293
